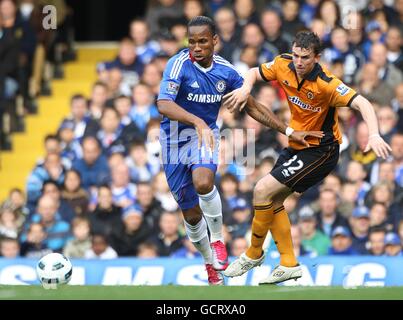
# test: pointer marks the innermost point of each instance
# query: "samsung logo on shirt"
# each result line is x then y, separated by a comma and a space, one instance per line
204, 98
295, 100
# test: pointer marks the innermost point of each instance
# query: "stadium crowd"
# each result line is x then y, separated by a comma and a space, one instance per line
99, 191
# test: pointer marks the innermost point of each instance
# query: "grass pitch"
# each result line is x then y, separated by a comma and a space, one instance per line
199, 293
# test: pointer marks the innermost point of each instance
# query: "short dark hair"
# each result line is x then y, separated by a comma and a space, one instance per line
308, 40
203, 21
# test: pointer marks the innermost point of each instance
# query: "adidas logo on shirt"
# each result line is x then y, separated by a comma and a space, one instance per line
195, 85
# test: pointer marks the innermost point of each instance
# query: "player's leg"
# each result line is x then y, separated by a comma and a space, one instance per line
265, 190
196, 229
305, 169
210, 204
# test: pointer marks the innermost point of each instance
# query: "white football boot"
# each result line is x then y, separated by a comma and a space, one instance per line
241, 265
281, 273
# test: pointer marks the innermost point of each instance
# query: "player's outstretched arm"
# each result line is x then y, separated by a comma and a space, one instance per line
236, 99
174, 112
375, 142
266, 117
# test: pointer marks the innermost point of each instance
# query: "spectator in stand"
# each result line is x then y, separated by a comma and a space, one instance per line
228, 32
342, 242
123, 191
341, 50
359, 224
152, 77
313, 239
70, 147
100, 248
97, 102
307, 11
9, 52
396, 143
188, 250
35, 246
81, 243
162, 192
52, 189
127, 62
387, 72
329, 12
74, 194
141, 168
146, 49
52, 169
378, 217
147, 250
393, 44
241, 218
238, 246
245, 12
357, 175
168, 240
143, 108
371, 86
9, 248
123, 106
107, 217
151, 207
57, 230
161, 15
271, 23
93, 167
357, 150
393, 247
136, 231
79, 115
291, 22
10, 222
17, 201
387, 122
328, 215
376, 244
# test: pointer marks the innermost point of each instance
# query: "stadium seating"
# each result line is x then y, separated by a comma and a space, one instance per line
16, 164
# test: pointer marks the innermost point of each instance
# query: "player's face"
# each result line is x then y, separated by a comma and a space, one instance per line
201, 44
304, 60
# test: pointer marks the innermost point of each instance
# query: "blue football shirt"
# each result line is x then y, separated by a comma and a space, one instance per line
196, 89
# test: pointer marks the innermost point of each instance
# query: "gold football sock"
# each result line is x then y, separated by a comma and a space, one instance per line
280, 229
260, 226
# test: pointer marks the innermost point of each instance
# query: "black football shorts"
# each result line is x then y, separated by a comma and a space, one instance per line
302, 169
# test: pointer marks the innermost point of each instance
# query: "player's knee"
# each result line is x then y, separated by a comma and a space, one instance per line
260, 192
193, 219
204, 186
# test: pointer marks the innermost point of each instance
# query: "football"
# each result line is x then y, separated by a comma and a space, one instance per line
54, 269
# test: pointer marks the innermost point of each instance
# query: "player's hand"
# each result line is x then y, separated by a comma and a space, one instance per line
205, 135
380, 147
299, 136
236, 100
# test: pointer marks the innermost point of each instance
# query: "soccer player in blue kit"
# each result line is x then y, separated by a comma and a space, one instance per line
193, 84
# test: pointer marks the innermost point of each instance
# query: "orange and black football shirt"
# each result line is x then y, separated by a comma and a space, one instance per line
313, 101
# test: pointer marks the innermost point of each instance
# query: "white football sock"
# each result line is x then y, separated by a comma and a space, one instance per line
199, 237
210, 204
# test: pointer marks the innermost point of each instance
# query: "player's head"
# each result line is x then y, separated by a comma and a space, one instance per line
202, 39
306, 49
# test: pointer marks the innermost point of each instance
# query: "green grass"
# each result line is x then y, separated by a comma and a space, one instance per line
199, 293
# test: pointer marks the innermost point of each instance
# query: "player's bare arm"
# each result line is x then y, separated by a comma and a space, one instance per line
266, 117
375, 142
175, 112
237, 99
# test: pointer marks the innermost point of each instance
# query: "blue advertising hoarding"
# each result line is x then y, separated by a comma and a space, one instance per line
321, 271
